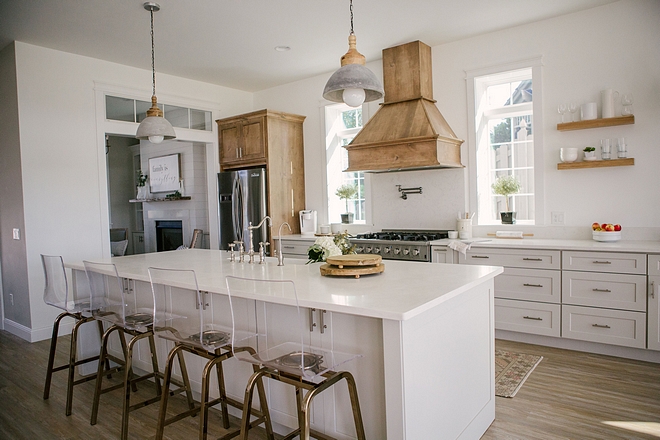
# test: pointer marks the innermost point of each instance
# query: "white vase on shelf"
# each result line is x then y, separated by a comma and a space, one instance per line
142, 192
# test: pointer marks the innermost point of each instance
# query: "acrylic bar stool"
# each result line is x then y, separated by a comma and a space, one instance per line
309, 369
184, 317
56, 294
127, 314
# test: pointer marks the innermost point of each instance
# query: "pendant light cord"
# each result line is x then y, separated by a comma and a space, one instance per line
352, 17
153, 63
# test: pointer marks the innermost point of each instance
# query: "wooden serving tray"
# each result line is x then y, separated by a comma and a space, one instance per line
352, 271
354, 260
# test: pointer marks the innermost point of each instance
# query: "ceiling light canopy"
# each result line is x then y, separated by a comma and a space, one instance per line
154, 127
353, 83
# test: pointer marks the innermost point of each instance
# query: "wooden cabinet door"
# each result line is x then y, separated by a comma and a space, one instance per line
229, 137
254, 139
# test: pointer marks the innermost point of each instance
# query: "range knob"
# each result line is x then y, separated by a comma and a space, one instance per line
397, 251
359, 249
415, 252
406, 251
368, 249
388, 249
376, 250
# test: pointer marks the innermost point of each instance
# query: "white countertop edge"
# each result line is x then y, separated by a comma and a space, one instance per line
560, 244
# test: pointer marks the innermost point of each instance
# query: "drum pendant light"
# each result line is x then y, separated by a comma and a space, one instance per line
353, 83
154, 127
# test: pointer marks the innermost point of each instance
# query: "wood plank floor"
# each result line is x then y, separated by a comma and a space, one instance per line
570, 395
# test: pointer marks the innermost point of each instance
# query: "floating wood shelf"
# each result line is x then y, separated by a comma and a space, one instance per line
160, 200
596, 164
597, 123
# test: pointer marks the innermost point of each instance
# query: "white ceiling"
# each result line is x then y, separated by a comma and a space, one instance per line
232, 42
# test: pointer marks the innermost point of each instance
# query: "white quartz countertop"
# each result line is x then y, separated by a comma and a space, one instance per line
402, 291
559, 244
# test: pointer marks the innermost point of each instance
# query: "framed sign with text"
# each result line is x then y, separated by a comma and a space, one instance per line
164, 173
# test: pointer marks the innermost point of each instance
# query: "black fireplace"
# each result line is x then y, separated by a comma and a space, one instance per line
169, 235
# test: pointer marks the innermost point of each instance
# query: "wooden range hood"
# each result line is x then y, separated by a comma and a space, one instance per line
407, 132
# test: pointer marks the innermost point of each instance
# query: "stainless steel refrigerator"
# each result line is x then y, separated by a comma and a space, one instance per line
242, 200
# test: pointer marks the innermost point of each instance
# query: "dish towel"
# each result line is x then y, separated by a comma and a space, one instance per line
460, 246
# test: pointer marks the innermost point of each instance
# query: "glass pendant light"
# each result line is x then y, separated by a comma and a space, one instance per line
353, 83
154, 127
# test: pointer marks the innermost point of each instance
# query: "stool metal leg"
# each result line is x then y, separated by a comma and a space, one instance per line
99, 374
72, 363
223, 395
51, 355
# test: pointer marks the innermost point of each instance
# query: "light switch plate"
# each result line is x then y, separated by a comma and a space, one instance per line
557, 218
16, 234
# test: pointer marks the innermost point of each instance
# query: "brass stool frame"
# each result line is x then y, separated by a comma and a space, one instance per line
130, 381
214, 360
304, 403
73, 363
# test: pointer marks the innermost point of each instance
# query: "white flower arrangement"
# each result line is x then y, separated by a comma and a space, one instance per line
323, 248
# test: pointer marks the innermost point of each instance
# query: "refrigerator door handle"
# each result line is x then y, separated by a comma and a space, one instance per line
237, 209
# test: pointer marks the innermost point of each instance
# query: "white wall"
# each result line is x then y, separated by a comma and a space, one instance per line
63, 171
613, 46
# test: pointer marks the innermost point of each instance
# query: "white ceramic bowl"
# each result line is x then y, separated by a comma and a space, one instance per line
568, 154
607, 235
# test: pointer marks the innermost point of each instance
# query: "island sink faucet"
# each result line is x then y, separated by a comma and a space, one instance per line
280, 257
250, 228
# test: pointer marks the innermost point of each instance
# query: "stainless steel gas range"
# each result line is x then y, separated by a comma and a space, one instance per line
398, 244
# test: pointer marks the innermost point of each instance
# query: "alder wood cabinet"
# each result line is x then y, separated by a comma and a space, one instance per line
273, 140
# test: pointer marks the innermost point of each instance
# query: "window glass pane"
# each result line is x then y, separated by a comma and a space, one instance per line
141, 108
352, 118
498, 96
177, 116
119, 109
200, 120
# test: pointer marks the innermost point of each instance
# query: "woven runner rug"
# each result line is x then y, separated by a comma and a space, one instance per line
512, 370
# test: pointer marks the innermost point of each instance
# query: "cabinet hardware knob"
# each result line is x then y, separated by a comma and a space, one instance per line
532, 285
312, 324
533, 318
323, 326
600, 326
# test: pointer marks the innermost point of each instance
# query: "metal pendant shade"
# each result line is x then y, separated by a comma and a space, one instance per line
154, 127
353, 75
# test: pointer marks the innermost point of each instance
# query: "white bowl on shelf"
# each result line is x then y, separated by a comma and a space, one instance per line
607, 235
568, 154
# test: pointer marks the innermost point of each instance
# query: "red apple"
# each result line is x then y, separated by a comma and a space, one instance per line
609, 227
603, 226
617, 227
595, 226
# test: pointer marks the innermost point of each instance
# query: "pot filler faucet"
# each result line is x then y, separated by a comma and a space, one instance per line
250, 228
280, 256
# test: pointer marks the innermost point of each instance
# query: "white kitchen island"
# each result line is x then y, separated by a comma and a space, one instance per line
426, 333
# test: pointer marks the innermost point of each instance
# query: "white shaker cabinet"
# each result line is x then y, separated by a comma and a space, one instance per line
528, 293
443, 254
654, 303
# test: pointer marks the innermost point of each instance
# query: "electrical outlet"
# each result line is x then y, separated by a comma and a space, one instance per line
16, 234
557, 218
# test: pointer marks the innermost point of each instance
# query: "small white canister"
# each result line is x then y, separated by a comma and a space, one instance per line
589, 111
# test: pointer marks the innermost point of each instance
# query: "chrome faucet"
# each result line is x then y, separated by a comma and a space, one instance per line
280, 257
250, 228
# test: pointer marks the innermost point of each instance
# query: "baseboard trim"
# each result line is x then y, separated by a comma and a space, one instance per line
36, 335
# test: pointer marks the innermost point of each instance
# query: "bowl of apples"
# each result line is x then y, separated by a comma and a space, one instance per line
606, 232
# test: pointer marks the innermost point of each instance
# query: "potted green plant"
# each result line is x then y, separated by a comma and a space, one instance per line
589, 153
346, 192
141, 185
505, 186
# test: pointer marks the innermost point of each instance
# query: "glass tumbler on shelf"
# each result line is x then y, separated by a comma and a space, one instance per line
626, 101
621, 148
605, 149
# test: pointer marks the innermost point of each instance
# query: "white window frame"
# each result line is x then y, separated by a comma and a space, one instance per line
329, 114
536, 65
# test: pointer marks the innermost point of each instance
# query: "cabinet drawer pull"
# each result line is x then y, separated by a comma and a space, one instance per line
532, 259
532, 285
312, 323
601, 262
533, 318
480, 256
600, 326
652, 289
601, 290
289, 247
